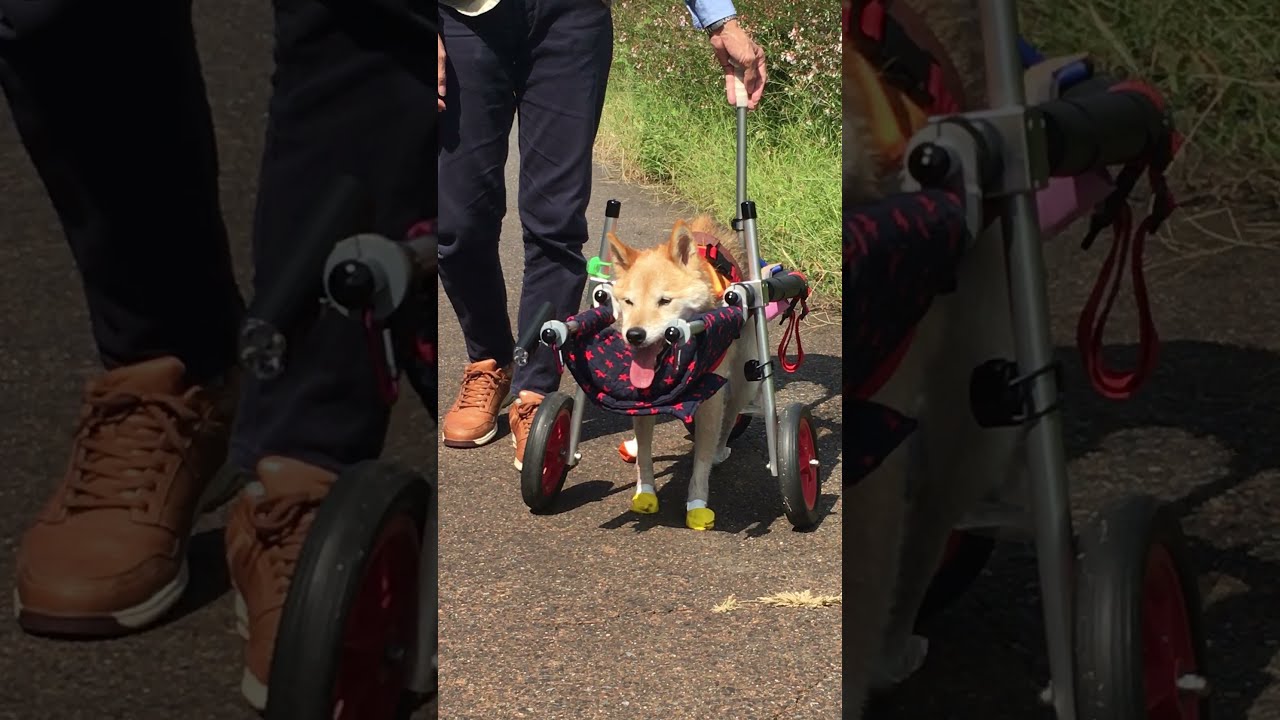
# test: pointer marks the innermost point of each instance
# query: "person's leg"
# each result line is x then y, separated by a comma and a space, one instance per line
109, 102
475, 128
561, 100
352, 96
111, 106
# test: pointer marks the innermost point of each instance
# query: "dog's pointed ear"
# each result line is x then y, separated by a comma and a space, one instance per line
682, 245
621, 254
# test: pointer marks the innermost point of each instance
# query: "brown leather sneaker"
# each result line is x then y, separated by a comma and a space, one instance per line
265, 530
107, 554
473, 419
520, 417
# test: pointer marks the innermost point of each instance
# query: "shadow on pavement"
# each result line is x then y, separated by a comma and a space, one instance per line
207, 560
743, 502
1206, 390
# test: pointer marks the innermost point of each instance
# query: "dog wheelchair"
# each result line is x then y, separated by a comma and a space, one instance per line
1121, 606
697, 345
357, 638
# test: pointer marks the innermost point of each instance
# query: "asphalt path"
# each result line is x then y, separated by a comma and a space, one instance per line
595, 612
1201, 435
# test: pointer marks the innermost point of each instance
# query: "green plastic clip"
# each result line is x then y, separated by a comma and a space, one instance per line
597, 268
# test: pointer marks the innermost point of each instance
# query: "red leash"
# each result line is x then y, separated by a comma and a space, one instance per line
1090, 330
793, 328
1126, 245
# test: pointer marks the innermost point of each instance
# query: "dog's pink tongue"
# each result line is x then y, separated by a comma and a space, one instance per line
644, 362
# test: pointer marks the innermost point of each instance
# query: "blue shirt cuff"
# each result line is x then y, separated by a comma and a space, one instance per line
705, 12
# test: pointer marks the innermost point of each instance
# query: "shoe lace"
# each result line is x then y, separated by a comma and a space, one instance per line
126, 441
281, 523
524, 417
478, 387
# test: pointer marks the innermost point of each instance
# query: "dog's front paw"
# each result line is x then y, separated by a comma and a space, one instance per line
899, 664
700, 519
645, 503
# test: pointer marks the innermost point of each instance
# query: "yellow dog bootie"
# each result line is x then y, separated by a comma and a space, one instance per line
644, 502
700, 519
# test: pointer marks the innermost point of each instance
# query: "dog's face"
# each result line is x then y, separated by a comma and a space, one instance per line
652, 288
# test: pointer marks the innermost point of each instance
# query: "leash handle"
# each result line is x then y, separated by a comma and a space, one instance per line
793, 328
1127, 245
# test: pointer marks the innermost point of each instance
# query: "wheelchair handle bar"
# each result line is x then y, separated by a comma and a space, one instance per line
1100, 123
785, 286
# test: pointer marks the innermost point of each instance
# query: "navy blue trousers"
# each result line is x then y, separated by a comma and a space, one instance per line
546, 61
110, 103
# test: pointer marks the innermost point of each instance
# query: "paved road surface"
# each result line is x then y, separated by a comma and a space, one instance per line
1202, 435
593, 613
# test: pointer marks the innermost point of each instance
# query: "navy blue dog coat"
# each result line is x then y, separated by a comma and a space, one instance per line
899, 253
600, 360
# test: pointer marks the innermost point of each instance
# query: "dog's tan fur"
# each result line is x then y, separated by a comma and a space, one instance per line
899, 517
673, 270
654, 287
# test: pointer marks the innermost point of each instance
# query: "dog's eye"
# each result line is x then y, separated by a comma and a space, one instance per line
664, 301
626, 301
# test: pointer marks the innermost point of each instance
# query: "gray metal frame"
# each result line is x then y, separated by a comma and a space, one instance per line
1029, 302
750, 290
1016, 132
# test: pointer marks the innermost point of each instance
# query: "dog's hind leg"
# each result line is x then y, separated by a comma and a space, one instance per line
741, 391
645, 500
706, 437
959, 461
977, 461
874, 512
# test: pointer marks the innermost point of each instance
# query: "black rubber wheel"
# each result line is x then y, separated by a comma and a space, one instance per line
1138, 618
349, 627
546, 452
797, 466
966, 556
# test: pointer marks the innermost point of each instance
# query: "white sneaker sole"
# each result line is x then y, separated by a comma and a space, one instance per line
142, 615
253, 689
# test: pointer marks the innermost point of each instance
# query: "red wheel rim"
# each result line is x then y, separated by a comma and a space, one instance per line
556, 454
382, 628
1168, 652
808, 470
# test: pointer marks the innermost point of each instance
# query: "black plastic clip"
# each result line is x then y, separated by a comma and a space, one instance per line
1000, 397
757, 371
1106, 214
785, 315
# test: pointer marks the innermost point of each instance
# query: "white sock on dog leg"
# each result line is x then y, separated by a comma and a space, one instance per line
903, 664
694, 505
641, 489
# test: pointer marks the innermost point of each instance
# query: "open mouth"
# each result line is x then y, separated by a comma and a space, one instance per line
644, 363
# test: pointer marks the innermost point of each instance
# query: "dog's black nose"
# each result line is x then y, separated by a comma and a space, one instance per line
635, 336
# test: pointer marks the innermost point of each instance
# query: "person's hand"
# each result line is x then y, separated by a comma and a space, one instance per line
735, 49
439, 73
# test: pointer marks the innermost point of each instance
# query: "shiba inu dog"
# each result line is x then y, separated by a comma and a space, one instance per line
898, 518
652, 288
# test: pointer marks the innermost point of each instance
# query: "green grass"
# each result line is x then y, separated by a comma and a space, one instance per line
1218, 62
793, 179
666, 125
